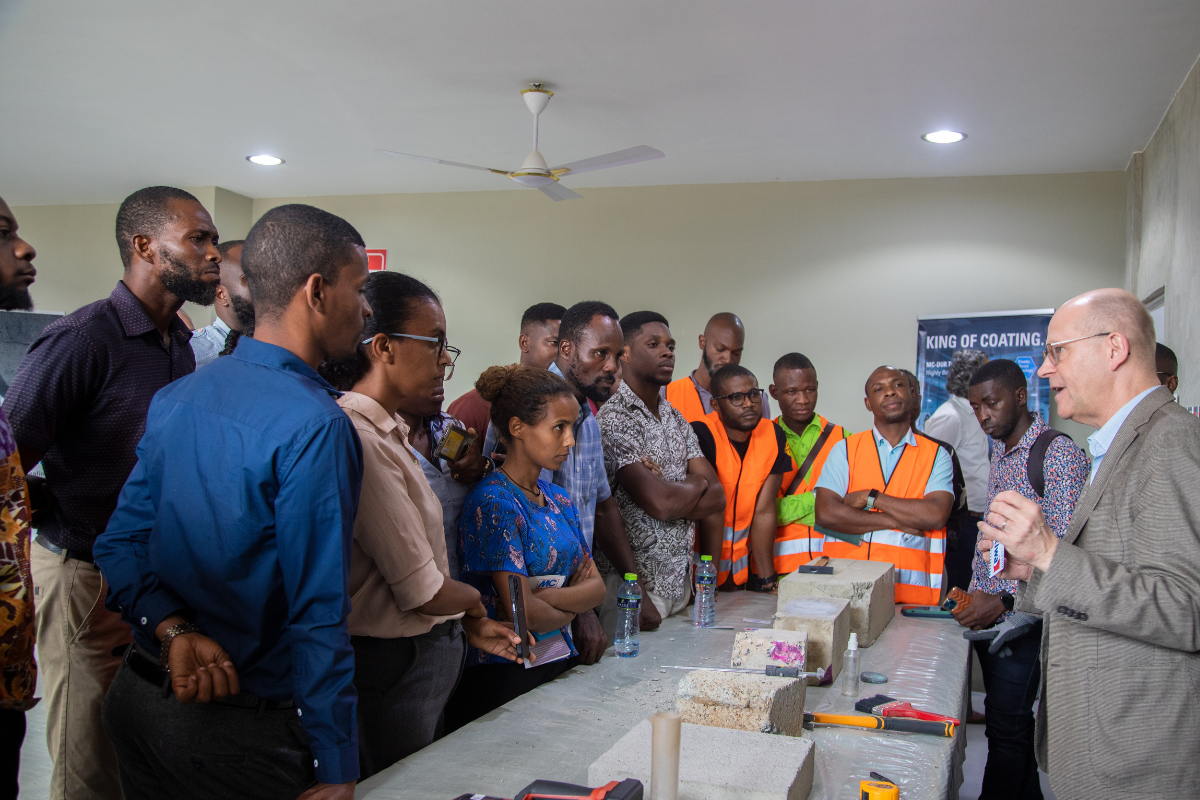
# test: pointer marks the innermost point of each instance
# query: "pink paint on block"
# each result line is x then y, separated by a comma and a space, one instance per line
788, 653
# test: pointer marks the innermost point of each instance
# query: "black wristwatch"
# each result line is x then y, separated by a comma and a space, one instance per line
1007, 600
871, 497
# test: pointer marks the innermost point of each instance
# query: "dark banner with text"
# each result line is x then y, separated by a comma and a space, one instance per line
1016, 335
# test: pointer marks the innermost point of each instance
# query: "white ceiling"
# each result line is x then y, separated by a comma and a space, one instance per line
99, 99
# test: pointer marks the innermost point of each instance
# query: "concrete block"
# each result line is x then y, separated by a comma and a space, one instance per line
826, 620
870, 586
758, 649
717, 764
742, 701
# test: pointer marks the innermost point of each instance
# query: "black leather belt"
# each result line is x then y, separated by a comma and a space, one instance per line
149, 671
78, 555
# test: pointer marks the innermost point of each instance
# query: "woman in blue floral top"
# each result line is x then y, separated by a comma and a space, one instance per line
514, 523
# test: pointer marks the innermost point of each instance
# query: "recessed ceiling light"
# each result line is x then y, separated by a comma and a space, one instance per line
944, 137
265, 160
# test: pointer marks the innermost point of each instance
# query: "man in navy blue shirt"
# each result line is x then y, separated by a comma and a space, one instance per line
229, 550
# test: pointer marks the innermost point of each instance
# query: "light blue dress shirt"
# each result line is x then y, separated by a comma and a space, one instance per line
208, 341
1102, 439
835, 475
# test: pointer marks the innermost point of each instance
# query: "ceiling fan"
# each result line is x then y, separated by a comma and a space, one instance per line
533, 172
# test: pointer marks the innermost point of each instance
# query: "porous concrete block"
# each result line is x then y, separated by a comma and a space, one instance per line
870, 586
717, 764
766, 646
742, 701
826, 620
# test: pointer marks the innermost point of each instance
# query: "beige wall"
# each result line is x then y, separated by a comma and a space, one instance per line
837, 270
1163, 219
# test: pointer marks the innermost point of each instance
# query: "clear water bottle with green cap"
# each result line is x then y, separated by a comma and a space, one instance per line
704, 614
629, 617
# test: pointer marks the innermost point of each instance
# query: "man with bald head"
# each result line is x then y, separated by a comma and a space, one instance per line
885, 494
1118, 594
720, 345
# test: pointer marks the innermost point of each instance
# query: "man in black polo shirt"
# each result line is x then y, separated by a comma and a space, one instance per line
78, 405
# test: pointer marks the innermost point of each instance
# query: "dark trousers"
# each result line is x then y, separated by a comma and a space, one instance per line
403, 685
203, 750
486, 687
1012, 686
12, 734
960, 551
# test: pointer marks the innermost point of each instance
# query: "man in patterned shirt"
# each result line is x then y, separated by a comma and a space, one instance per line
998, 395
661, 481
18, 672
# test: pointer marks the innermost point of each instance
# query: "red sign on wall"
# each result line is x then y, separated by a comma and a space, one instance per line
376, 260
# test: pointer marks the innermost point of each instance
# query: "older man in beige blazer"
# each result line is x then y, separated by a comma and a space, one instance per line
1120, 594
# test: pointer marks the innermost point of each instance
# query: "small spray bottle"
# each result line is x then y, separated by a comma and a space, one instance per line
850, 667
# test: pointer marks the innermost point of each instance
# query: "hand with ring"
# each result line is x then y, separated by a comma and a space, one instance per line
1029, 544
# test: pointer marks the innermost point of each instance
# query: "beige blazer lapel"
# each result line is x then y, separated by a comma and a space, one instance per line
1127, 433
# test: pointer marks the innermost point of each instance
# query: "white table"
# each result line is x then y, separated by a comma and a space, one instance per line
557, 730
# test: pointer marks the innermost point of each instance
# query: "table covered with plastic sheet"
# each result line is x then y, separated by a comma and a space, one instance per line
556, 731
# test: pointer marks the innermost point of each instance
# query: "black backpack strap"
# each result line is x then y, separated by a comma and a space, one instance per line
1036, 467
826, 432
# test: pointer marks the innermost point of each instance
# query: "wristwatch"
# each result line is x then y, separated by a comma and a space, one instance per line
1008, 601
871, 496
172, 632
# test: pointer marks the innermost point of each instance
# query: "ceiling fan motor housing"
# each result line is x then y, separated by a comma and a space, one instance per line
534, 171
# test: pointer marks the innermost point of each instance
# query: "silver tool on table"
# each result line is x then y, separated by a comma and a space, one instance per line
771, 670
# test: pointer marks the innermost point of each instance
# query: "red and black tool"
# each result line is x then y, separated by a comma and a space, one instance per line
628, 789
883, 706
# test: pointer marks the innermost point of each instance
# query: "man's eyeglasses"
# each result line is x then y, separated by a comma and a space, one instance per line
443, 347
1054, 350
739, 398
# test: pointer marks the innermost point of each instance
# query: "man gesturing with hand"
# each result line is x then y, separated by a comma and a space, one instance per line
1118, 593
229, 551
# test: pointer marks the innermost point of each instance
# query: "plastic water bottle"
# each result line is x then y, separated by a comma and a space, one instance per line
629, 617
850, 665
705, 612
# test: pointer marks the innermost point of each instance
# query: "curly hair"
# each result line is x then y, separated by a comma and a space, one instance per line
962, 366
519, 391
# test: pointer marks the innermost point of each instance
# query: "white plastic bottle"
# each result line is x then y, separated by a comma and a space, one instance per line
704, 614
850, 668
629, 611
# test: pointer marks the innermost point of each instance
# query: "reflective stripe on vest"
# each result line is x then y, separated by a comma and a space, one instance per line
742, 481
918, 559
683, 396
797, 544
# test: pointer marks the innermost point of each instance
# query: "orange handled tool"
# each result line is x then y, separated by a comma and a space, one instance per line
873, 722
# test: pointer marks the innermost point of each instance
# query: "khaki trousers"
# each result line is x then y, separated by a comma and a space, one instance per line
76, 635
608, 611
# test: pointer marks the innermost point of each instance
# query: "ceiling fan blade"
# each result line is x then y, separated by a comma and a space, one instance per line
440, 161
630, 156
556, 192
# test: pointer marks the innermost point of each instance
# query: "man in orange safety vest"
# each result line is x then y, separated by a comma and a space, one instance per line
885, 494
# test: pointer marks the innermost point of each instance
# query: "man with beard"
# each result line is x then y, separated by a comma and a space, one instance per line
750, 455
660, 480
885, 494
235, 311
229, 554
721, 343
78, 405
18, 672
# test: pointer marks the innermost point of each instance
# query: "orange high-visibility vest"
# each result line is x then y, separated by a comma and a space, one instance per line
797, 544
742, 481
683, 395
918, 559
